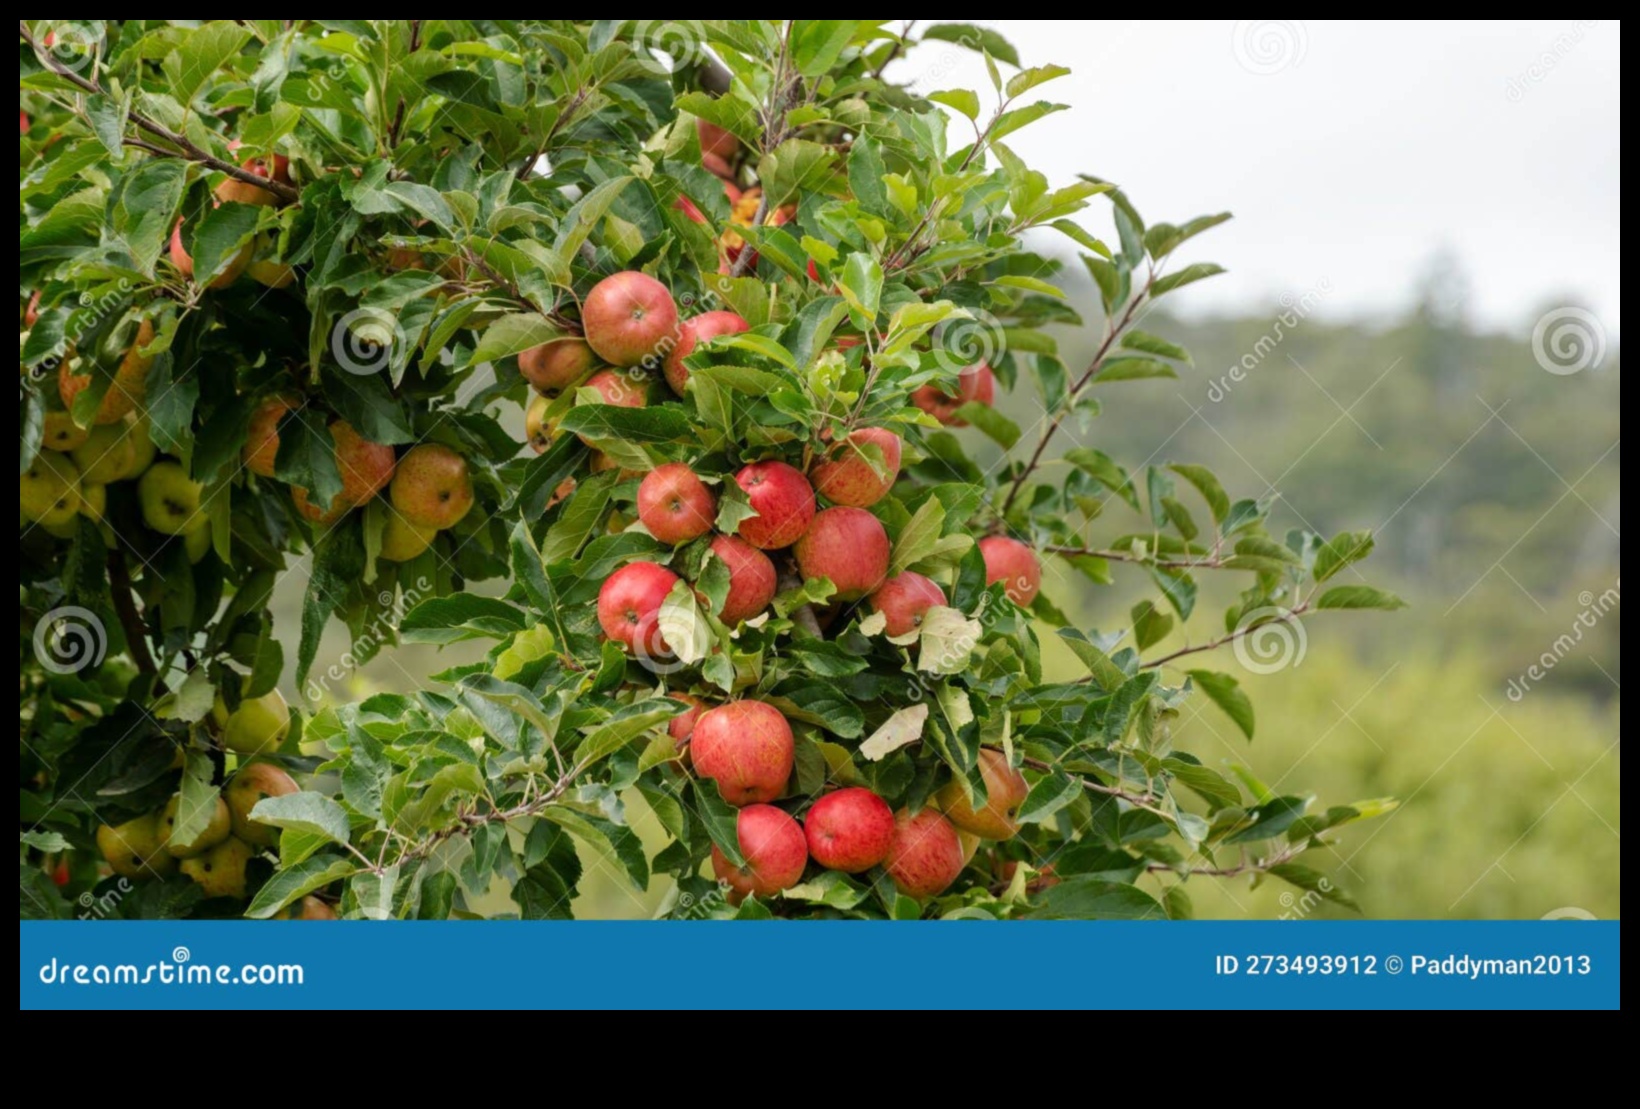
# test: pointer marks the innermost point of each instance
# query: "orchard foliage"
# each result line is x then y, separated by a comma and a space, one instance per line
317, 266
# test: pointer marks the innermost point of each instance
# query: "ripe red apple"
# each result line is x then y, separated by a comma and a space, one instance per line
717, 164
241, 192
925, 855
903, 599
752, 579
31, 314
847, 545
976, 383
1005, 790
746, 747
262, 440
682, 726
629, 607
323, 516
716, 140
1015, 565
849, 830
432, 486
366, 467
784, 501
628, 317
184, 262
555, 366
675, 505
698, 329
845, 475
774, 849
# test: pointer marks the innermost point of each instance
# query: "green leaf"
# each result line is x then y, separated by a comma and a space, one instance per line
1128, 368
461, 616
1225, 692
1211, 786
919, 536
297, 882
998, 428
1147, 343
1340, 551
1270, 819
965, 101
200, 54
862, 288
1313, 881
1106, 674
948, 641
1359, 596
1099, 466
721, 819
196, 804
620, 842
602, 422
1180, 278
980, 39
1084, 897
1218, 502
513, 334
1027, 79
682, 626
309, 812
1150, 625
219, 237
626, 725
1052, 792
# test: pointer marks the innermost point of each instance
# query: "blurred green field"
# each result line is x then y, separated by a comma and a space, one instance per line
1494, 489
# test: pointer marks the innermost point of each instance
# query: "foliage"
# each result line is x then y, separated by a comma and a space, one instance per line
455, 189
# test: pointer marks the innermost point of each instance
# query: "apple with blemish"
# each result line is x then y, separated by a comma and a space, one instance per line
252, 783
403, 540
783, 500
554, 366
432, 486
61, 433
171, 500
675, 505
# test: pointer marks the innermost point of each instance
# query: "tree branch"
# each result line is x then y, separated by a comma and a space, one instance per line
1259, 866
186, 149
1213, 563
136, 633
1289, 617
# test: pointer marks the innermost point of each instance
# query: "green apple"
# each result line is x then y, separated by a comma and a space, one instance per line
220, 872
170, 499
48, 492
197, 544
403, 540
213, 833
136, 849
61, 433
143, 451
254, 782
106, 455
257, 725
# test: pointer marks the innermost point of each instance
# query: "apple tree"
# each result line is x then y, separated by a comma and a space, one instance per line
702, 343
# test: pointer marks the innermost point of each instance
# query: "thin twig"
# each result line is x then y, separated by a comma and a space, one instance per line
136, 633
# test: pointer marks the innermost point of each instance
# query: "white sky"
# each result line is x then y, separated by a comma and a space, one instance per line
1371, 145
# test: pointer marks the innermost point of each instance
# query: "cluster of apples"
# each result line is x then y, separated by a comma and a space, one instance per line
71, 475
217, 855
430, 487
251, 259
746, 748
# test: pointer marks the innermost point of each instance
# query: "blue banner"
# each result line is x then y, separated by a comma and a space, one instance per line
1570, 964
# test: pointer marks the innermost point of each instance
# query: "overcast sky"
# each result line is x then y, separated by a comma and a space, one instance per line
1350, 152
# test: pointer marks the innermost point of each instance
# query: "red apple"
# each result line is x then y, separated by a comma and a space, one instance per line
903, 599
241, 192
184, 262
621, 388
555, 366
432, 486
783, 499
629, 607
849, 830
629, 317
847, 545
976, 383
262, 440
746, 747
675, 505
1005, 790
1015, 565
682, 726
31, 314
366, 467
925, 855
715, 163
846, 475
690, 209
752, 579
774, 849
716, 140
707, 325
313, 513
